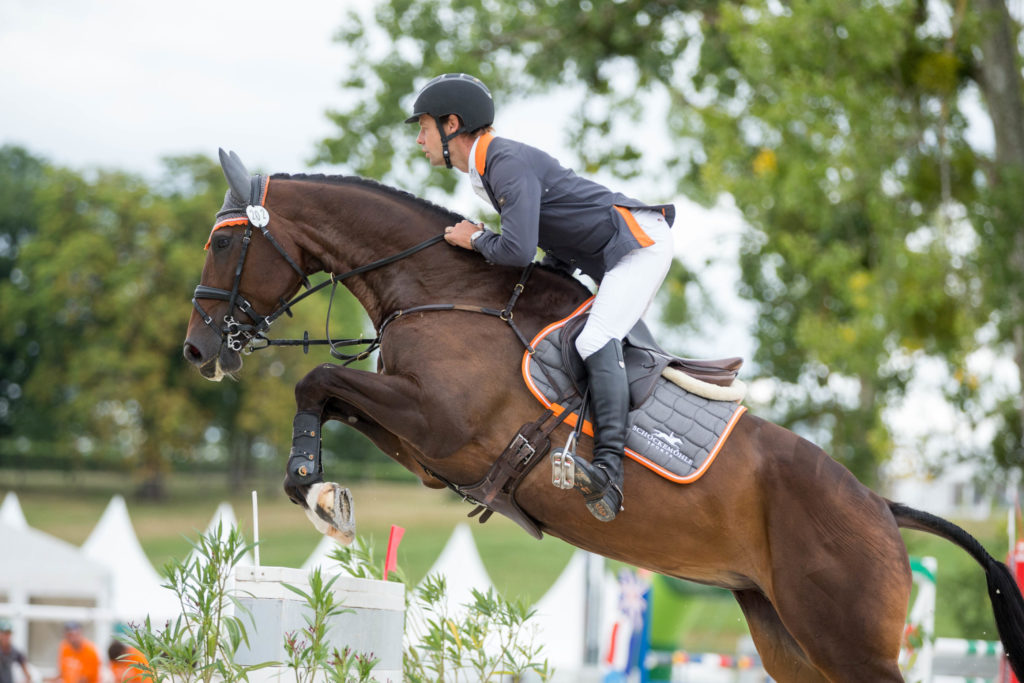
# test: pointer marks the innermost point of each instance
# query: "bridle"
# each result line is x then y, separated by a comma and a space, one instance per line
248, 337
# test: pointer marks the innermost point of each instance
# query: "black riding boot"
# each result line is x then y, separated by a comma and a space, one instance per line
600, 482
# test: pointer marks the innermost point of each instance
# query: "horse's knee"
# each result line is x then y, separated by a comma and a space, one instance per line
309, 391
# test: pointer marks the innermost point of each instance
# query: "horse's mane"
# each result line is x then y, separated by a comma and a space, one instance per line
408, 197
375, 186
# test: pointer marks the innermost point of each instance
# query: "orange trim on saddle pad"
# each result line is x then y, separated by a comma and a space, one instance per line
588, 428
237, 220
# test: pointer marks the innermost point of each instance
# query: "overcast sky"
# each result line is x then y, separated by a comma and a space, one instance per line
122, 83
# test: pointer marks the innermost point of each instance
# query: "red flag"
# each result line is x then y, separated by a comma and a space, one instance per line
391, 561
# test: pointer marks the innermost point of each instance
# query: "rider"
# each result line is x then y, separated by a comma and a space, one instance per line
623, 244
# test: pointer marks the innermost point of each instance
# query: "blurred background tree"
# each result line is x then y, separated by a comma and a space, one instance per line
101, 269
879, 232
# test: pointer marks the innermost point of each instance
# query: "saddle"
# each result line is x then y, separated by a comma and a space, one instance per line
646, 361
678, 451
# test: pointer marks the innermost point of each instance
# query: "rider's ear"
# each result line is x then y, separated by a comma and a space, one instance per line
451, 124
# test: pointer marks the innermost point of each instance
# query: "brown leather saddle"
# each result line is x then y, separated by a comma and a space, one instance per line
645, 360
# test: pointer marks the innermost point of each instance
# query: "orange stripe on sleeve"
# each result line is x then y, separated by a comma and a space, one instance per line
634, 227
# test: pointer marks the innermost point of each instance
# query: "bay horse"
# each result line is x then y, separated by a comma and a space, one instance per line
814, 558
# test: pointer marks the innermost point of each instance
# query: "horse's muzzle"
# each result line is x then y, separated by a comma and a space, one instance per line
215, 363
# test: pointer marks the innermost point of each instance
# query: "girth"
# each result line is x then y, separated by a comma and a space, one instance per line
495, 492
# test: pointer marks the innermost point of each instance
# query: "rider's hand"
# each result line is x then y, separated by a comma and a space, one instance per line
459, 234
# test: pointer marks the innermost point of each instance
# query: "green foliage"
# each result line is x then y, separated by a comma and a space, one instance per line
200, 645
309, 652
459, 648
877, 234
99, 271
454, 647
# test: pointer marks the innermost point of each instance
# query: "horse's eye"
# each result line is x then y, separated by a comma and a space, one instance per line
222, 242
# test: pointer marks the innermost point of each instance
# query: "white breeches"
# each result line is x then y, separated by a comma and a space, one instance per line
628, 289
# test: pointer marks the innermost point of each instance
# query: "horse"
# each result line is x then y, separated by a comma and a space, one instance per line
814, 558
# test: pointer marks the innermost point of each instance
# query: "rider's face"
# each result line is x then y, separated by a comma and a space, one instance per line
429, 140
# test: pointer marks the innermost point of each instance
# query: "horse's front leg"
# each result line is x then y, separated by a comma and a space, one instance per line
382, 407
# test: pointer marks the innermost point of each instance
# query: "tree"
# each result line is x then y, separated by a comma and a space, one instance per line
20, 177
877, 233
98, 313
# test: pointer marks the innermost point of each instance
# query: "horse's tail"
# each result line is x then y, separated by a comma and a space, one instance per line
1007, 602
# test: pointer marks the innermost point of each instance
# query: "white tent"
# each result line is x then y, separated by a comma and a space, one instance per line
137, 586
463, 570
460, 564
224, 516
10, 512
561, 615
46, 581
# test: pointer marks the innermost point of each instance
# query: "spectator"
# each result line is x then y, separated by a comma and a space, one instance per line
77, 661
126, 663
9, 655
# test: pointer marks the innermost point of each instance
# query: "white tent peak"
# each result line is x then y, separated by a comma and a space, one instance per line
224, 516
11, 513
460, 564
137, 586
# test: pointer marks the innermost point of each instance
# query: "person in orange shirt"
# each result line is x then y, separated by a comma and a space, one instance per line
77, 660
126, 663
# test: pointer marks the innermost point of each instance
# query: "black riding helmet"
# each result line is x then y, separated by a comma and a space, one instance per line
460, 94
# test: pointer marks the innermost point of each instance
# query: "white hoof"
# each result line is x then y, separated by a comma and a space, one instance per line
331, 510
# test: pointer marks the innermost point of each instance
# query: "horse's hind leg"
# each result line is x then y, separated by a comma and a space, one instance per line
781, 655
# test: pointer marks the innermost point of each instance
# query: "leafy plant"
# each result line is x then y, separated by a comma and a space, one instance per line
201, 644
487, 641
309, 651
490, 640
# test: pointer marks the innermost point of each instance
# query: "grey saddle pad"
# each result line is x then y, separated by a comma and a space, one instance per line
673, 432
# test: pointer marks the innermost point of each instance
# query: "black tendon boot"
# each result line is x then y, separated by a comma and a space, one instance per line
600, 481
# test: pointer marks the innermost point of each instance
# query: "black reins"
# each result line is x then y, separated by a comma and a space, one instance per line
250, 337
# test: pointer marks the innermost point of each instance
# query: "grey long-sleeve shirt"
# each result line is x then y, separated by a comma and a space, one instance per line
574, 220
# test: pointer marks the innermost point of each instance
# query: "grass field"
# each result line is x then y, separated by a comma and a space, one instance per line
521, 567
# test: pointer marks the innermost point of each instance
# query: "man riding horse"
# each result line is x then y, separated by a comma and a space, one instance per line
623, 244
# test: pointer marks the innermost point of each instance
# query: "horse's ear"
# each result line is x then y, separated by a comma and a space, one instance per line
237, 175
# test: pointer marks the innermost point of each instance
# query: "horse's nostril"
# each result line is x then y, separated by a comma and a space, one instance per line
192, 354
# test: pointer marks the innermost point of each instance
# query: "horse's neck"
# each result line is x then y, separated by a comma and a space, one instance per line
349, 227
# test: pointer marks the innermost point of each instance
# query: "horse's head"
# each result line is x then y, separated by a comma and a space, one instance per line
252, 267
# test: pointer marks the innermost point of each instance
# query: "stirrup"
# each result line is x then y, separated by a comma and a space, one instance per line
563, 465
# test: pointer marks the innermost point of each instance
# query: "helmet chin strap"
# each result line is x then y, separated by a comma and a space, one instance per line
445, 138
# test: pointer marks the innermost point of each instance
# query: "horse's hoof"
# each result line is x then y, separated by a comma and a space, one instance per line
330, 508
